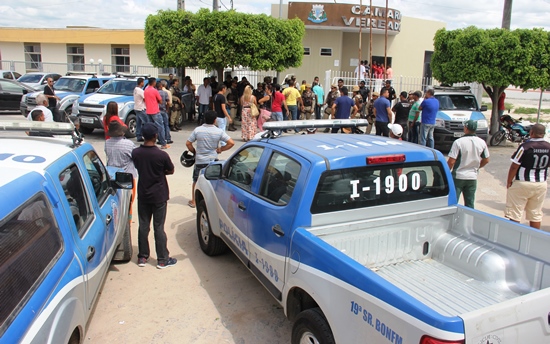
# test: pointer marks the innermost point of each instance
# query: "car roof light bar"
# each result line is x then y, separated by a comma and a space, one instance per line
54, 128
273, 128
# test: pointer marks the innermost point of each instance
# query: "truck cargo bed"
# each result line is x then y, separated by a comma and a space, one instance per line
442, 288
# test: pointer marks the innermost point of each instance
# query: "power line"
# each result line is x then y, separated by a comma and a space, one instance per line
221, 2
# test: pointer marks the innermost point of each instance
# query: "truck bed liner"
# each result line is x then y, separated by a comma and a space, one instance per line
442, 288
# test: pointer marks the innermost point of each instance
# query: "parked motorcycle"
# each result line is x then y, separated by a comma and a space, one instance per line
514, 130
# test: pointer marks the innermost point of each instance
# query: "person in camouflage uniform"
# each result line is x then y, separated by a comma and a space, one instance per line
370, 112
331, 97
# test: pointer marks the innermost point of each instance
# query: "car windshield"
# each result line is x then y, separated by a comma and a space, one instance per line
368, 186
122, 87
70, 85
457, 102
31, 78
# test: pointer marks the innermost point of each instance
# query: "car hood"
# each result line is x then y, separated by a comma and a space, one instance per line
99, 98
460, 115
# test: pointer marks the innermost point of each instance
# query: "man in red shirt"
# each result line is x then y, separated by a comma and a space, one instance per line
152, 100
277, 103
501, 106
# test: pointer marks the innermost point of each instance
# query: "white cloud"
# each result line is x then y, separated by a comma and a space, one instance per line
131, 14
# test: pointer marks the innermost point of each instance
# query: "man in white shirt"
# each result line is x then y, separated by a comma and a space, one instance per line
204, 97
468, 154
139, 108
362, 75
43, 103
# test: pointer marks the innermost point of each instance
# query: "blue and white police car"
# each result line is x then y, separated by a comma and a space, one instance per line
63, 219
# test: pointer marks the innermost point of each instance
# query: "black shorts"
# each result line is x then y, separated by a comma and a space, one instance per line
196, 171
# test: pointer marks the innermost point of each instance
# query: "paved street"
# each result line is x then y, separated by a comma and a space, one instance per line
213, 300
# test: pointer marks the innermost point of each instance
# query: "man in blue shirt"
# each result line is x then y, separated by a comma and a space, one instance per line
383, 113
342, 107
318, 90
429, 108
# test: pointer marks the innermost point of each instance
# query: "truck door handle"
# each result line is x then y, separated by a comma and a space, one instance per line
108, 219
241, 206
91, 253
278, 230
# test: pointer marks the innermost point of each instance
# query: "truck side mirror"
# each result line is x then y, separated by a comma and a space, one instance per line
123, 180
213, 172
483, 108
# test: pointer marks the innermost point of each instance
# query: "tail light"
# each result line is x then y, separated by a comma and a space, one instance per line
430, 340
385, 159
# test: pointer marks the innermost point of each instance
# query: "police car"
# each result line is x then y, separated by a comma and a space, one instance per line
92, 108
63, 219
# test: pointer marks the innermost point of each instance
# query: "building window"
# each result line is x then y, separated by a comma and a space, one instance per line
306, 51
121, 58
33, 56
326, 51
75, 57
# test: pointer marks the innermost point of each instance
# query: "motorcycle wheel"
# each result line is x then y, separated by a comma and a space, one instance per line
497, 138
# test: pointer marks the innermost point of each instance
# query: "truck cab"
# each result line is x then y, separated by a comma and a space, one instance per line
92, 108
69, 89
457, 105
63, 219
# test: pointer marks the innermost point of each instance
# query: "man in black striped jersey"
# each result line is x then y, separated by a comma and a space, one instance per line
527, 179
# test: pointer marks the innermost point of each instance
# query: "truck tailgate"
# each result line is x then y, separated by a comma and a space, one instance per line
525, 319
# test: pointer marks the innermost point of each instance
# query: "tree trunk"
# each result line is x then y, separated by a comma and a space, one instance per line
221, 77
494, 93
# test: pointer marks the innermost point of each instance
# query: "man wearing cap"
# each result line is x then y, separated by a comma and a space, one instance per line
527, 178
208, 138
153, 165
467, 155
396, 131
329, 101
342, 108
382, 113
309, 99
370, 112
391, 92
358, 100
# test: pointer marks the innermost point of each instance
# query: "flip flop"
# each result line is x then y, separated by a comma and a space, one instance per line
192, 205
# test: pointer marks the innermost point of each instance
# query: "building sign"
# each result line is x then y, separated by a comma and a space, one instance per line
327, 15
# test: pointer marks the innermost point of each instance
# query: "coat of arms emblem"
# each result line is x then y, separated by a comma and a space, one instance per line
317, 14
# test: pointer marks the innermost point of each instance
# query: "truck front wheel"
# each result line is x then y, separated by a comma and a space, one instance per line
210, 243
131, 123
311, 327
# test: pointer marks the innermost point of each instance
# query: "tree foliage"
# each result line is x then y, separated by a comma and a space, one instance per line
215, 40
496, 58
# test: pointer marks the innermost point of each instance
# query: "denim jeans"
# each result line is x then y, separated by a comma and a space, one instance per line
317, 111
276, 116
146, 211
222, 124
157, 119
426, 136
141, 119
166, 121
202, 109
293, 109
413, 132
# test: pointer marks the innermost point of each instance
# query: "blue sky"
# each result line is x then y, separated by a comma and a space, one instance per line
131, 14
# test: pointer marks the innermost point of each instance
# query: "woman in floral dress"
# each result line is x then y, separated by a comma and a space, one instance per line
248, 123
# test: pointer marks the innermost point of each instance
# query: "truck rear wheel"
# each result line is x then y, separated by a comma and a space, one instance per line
210, 244
311, 327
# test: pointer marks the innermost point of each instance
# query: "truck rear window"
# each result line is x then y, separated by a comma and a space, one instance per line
30, 242
368, 186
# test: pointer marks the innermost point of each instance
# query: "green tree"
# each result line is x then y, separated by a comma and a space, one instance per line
495, 58
215, 40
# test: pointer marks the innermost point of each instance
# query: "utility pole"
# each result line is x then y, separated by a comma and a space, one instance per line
507, 14
181, 5
215, 5
180, 72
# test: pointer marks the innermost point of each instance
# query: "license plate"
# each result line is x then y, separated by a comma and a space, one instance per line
87, 120
458, 134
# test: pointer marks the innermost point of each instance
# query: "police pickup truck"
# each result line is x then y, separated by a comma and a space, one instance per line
361, 240
68, 88
92, 108
63, 218
456, 106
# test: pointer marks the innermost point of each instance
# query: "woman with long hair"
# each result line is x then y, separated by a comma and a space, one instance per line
111, 115
248, 123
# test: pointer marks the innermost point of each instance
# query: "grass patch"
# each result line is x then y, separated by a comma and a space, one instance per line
529, 110
508, 106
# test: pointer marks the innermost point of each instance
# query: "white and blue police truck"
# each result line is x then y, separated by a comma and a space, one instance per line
63, 219
361, 240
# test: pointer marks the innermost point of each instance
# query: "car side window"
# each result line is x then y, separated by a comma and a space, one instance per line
7, 75
30, 243
73, 187
279, 179
242, 167
92, 86
98, 175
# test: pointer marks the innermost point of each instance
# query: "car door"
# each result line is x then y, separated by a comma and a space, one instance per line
10, 95
233, 195
271, 217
